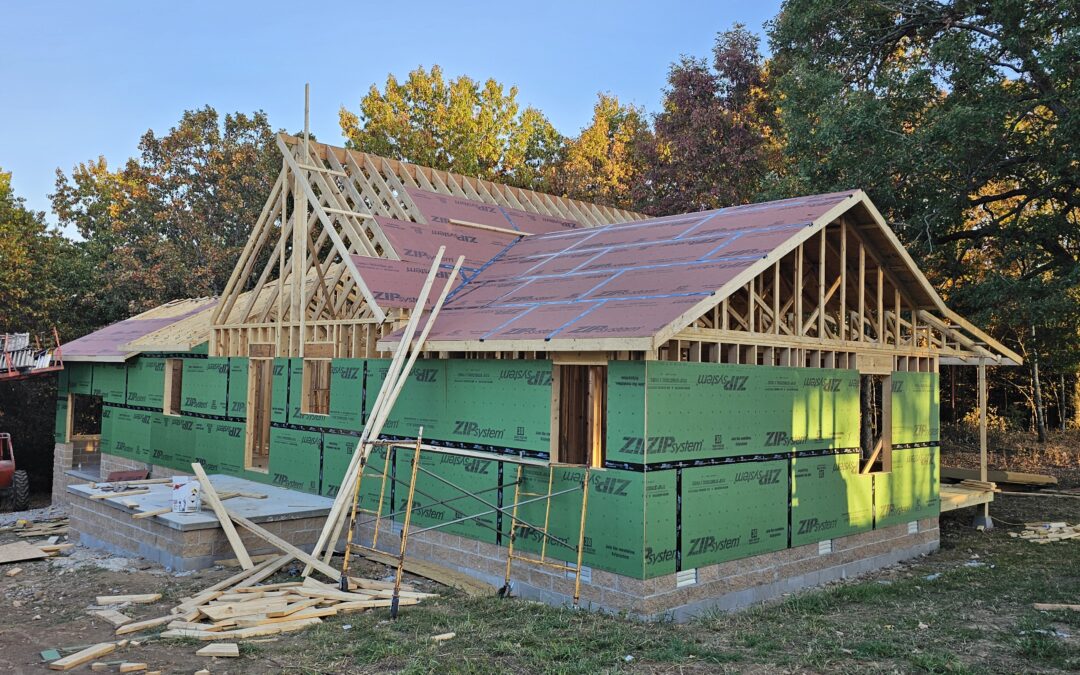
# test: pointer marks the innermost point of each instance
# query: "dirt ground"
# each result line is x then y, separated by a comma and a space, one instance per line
46, 606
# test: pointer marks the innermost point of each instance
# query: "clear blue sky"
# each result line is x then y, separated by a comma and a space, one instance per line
83, 79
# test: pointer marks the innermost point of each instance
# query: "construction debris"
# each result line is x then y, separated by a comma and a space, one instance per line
240, 612
1053, 607
1045, 533
139, 599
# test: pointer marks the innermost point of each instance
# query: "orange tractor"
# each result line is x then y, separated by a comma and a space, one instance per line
14, 483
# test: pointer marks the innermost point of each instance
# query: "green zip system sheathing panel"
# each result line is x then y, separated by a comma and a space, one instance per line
110, 382
146, 383
371, 481
829, 498
238, 388
706, 410
660, 516
205, 386
915, 406
733, 511
80, 377
626, 411
614, 524
910, 491
472, 403
346, 395
472, 474
60, 425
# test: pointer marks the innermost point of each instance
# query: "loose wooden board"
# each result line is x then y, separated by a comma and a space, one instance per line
81, 657
223, 517
19, 551
137, 599
1014, 477
146, 623
428, 570
221, 650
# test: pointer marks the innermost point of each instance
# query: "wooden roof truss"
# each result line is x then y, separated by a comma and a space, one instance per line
335, 194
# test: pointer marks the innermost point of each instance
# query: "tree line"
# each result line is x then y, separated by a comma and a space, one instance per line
959, 120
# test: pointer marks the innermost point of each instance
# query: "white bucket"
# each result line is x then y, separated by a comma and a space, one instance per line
186, 495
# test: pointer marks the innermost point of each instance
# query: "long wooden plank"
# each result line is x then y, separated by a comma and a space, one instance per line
428, 570
223, 517
285, 546
81, 657
334, 520
147, 623
1015, 477
137, 599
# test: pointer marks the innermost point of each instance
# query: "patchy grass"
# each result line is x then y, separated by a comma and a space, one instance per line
976, 616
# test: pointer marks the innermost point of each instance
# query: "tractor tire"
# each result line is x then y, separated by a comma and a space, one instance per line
20, 491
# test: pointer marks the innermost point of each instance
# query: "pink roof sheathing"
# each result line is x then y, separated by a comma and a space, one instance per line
107, 344
625, 280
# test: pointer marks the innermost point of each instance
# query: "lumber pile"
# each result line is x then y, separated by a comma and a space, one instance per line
244, 612
1047, 532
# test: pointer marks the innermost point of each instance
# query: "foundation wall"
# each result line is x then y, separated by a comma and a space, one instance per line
725, 586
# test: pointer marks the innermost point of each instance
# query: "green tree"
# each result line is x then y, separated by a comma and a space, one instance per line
604, 162
461, 126
170, 223
714, 141
42, 276
960, 120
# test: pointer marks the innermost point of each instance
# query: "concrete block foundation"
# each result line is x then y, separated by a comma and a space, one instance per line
725, 586
182, 542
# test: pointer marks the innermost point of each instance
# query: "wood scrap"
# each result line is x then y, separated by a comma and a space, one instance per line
19, 551
56, 548
127, 493
143, 625
233, 562
130, 667
150, 514
1053, 607
136, 599
14, 571
1046, 533
81, 657
220, 650
114, 617
443, 637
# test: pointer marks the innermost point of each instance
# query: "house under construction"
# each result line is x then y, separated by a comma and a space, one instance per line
699, 410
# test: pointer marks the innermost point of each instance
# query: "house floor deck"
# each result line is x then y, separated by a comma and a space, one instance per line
955, 496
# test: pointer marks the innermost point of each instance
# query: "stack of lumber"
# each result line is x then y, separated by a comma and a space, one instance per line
244, 612
981, 486
1047, 532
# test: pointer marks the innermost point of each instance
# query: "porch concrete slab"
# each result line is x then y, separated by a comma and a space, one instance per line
279, 504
